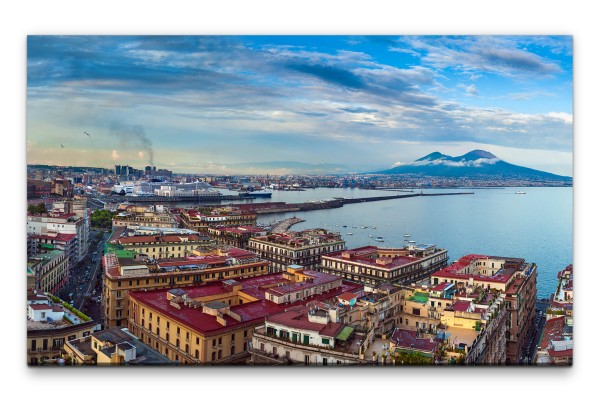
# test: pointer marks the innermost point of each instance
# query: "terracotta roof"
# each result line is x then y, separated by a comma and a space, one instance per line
251, 313
552, 331
407, 339
298, 319
347, 296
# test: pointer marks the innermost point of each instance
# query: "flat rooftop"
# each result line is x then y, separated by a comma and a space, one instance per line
251, 313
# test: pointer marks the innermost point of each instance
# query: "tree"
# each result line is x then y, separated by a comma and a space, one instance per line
37, 209
102, 218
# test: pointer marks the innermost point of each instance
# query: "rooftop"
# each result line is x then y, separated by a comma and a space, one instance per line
249, 313
408, 339
374, 256
460, 269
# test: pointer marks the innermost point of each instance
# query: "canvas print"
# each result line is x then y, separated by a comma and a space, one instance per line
383, 201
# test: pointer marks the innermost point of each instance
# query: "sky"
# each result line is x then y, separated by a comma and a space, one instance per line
217, 104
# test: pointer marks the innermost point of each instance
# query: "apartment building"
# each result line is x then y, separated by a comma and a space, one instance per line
216, 217
375, 266
125, 274
213, 323
303, 248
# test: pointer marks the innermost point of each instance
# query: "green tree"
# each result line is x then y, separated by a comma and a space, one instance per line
102, 218
39, 208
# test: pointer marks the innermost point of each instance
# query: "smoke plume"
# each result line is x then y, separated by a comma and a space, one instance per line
133, 137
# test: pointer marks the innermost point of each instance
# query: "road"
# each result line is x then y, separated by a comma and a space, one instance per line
86, 280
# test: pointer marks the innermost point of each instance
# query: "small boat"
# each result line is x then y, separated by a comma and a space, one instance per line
344, 226
373, 227
379, 239
519, 193
407, 235
354, 227
363, 227
348, 233
412, 242
370, 236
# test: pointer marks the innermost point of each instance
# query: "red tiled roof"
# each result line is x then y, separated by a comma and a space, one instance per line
559, 354
460, 306
408, 339
368, 255
40, 306
347, 296
252, 313
552, 331
157, 238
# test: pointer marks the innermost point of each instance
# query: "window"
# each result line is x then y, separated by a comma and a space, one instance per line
167, 325
220, 340
219, 354
233, 337
232, 349
325, 341
95, 344
214, 342
213, 356
307, 360
197, 340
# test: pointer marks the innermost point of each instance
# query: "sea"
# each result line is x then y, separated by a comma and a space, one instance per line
536, 226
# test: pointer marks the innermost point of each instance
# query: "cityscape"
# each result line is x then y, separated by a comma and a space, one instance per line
304, 201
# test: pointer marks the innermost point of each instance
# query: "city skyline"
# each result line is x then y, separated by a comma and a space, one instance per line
371, 102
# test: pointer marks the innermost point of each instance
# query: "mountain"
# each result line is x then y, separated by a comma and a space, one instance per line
475, 164
290, 167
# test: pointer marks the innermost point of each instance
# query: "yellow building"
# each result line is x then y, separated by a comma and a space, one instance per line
216, 217
51, 270
122, 275
144, 216
162, 246
49, 325
213, 323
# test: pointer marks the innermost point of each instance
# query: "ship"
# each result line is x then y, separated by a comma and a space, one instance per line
263, 193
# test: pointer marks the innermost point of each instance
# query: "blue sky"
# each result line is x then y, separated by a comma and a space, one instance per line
205, 104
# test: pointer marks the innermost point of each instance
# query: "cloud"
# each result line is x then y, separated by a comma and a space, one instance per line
115, 155
141, 154
471, 90
490, 54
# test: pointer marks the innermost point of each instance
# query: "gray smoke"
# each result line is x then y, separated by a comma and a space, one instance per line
133, 137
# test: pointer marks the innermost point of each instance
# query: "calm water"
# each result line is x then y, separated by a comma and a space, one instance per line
537, 226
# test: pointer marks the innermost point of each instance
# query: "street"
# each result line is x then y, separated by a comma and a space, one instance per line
85, 282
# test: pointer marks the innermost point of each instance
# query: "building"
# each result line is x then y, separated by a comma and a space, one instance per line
375, 266
238, 237
50, 323
214, 322
38, 189
216, 217
116, 346
53, 241
302, 248
509, 276
160, 246
62, 187
410, 348
556, 341
144, 216
52, 224
51, 270
124, 273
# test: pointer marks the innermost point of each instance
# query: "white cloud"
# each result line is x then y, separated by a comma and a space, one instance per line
115, 155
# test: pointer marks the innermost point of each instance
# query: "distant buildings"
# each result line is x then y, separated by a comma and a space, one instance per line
123, 274
50, 323
375, 266
303, 248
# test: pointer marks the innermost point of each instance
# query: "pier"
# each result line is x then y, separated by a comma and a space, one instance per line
285, 225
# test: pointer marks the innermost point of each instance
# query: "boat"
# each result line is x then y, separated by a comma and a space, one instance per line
373, 227
263, 193
412, 242
363, 227
519, 193
379, 239
354, 227
406, 235
348, 233
370, 236
344, 226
